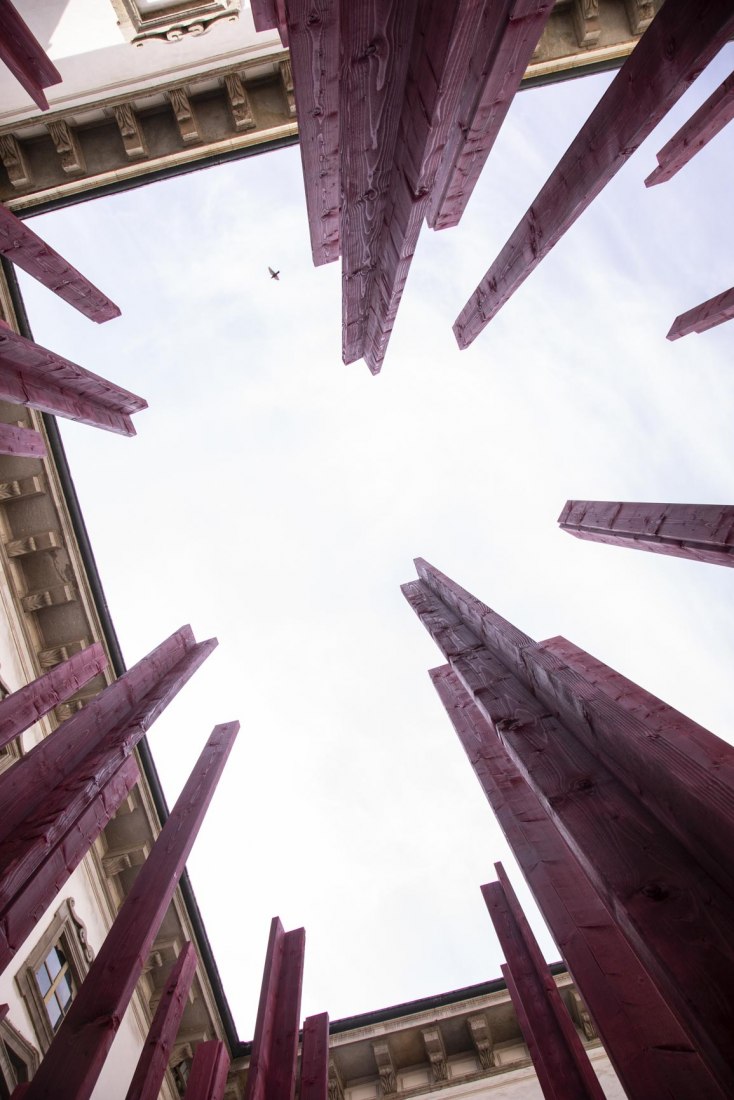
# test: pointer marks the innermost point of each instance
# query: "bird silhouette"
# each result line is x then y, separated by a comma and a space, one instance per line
274, 274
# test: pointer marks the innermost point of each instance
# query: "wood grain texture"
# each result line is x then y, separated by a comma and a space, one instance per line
20, 709
315, 1058
21, 442
650, 1051
700, 532
563, 1068
208, 1072
34, 376
708, 121
23, 54
26, 249
678, 44
75, 1058
715, 311
313, 32
505, 39
376, 42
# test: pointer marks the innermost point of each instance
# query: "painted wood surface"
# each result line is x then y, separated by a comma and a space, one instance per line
563, 1068
315, 1058
270, 15
708, 121
4, 1009
34, 376
26, 249
313, 33
675, 916
715, 311
20, 709
678, 44
153, 1062
701, 532
209, 1070
21, 442
23, 54
376, 40
75, 1058
505, 39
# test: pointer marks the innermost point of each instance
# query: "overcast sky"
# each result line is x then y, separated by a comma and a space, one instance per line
275, 498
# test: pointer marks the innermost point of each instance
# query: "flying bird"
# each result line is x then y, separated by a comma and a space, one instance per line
274, 274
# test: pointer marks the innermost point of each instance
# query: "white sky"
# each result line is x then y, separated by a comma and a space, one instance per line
276, 498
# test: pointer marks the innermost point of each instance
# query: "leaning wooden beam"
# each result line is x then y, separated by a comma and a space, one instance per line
4, 1009
23, 54
709, 120
313, 33
701, 532
151, 1068
376, 42
270, 15
315, 1058
34, 376
637, 1027
26, 249
75, 1058
506, 37
715, 311
22, 708
678, 44
208, 1072
21, 442
563, 1068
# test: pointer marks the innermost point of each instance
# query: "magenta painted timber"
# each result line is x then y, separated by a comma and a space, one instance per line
376, 45
21, 442
75, 1058
315, 1058
34, 376
24, 248
209, 1071
678, 44
313, 33
715, 311
23, 54
506, 37
153, 1062
270, 15
701, 532
22, 708
563, 1068
4, 1009
709, 120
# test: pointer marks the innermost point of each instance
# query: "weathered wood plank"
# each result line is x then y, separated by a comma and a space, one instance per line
313, 32
22, 708
701, 532
678, 44
708, 121
73, 1062
23, 54
715, 311
563, 1068
315, 1058
505, 40
650, 1051
208, 1071
26, 249
376, 42
21, 442
270, 15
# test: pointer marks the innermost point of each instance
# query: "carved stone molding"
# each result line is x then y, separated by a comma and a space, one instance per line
582, 1015
48, 597
54, 655
586, 22
14, 160
23, 487
44, 540
183, 111
117, 860
482, 1039
336, 1085
67, 146
239, 102
130, 130
385, 1068
286, 75
178, 22
436, 1053
640, 14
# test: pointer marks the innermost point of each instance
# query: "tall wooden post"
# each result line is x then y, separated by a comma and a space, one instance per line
563, 1069
74, 1060
709, 120
700, 532
315, 1058
208, 1072
151, 1067
23, 54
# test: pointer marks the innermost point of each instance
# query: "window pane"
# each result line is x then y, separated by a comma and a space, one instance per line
54, 961
44, 982
54, 1012
63, 991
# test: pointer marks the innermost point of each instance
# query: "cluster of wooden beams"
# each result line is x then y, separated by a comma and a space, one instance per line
23, 54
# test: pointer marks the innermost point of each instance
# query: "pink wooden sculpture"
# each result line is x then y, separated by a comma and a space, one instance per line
21, 442
715, 311
208, 1072
21, 51
709, 120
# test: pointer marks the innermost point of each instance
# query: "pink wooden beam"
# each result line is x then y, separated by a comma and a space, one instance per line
701, 532
79, 1049
21, 442
376, 43
22, 708
151, 1068
24, 56
678, 44
270, 15
26, 249
715, 311
4, 1009
505, 40
209, 1071
34, 376
563, 1068
709, 120
315, 1058
313, 32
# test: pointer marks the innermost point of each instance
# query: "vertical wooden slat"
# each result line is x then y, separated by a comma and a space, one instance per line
714, 311
151, 1068
315, 1058
709, 120
272, 1070
78, 1051
208, 1072
23, 54
21, 442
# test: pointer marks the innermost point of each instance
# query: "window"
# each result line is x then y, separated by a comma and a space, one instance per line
19, 1060
56, 983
